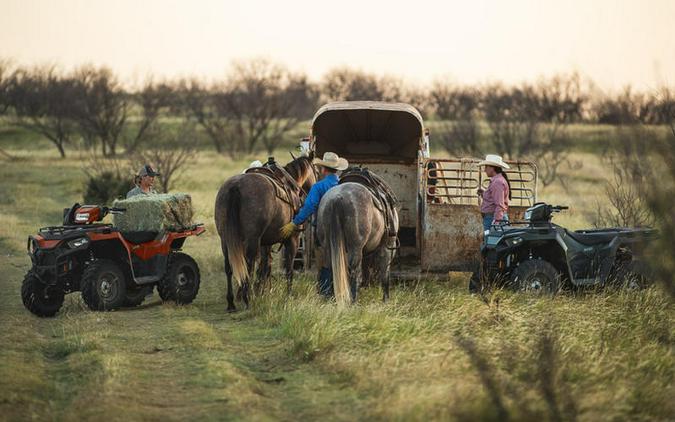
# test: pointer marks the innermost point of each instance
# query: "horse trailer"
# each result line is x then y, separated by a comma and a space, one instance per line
439, 216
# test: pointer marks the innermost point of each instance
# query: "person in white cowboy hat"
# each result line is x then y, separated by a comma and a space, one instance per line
494, 202
329, 166
495, 199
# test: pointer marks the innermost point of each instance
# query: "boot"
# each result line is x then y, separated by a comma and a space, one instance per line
326, 282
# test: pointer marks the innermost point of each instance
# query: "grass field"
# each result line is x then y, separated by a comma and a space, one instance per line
432, 352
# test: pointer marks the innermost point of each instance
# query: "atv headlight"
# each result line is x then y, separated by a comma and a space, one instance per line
82, 217
77, 243
514, 241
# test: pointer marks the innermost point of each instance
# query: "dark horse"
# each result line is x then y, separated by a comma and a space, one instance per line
354, 232
249, 215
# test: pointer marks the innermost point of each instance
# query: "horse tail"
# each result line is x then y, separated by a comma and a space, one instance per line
338, 256
233, 238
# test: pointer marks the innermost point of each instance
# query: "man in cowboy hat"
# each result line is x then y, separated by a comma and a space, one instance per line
145, 180
329, 166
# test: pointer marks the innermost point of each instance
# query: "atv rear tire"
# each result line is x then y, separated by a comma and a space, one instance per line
536, 276
104, 286
181, 281
630, 275
39, 298
136, 296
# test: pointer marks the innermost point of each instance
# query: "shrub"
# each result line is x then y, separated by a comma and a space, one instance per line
105, 187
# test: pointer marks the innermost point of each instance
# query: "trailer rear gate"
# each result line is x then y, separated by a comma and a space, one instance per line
451, 222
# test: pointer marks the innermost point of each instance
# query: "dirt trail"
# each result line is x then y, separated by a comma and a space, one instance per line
155, 361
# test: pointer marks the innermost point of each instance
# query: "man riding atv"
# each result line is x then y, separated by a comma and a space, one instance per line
144, 181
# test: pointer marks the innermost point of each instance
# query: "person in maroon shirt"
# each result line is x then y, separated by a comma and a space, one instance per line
494, 202
495, 199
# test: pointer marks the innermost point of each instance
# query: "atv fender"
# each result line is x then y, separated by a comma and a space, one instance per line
564, 265
610, 260
113, 248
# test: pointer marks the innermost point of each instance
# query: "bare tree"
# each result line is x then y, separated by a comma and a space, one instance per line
459, 108
101, 108
660, 189
6, 70
266, 101
622, 109
5, 77
254, 107
207, 106
170, 155
152, 100
345, 84
43, 102
531, 121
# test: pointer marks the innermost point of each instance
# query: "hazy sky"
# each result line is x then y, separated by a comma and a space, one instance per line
613, 42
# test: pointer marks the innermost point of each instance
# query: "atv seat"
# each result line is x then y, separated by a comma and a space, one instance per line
139, 237
592, 238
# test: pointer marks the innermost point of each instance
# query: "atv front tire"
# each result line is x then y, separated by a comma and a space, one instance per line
536, 276
104, 286
39, 298
181, 281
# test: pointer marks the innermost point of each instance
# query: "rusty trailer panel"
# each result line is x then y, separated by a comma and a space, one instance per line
451, 222
451, 237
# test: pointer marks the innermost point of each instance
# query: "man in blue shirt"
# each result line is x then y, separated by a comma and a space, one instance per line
329, 165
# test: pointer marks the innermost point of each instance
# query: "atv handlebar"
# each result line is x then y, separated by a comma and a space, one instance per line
111, 210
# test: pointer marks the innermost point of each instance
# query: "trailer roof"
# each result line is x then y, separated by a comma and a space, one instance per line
369, 130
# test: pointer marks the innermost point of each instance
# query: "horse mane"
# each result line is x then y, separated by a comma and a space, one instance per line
300, 168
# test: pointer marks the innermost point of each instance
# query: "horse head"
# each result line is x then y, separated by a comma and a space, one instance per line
303, 171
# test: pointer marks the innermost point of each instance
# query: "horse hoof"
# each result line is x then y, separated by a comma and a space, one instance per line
231, 310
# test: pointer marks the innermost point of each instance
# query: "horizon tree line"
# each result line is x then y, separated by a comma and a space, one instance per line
258, 102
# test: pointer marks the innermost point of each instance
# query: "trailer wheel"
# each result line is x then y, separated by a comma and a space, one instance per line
104, 286
181, 281
39, 298
536, 276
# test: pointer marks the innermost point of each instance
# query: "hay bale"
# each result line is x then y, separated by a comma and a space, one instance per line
155, 213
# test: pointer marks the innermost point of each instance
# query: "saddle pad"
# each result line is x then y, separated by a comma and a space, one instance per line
285, 186
384, 198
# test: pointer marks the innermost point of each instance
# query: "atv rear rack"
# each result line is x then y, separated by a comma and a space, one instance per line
62, 229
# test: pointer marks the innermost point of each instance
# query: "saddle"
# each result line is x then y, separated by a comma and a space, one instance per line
384, 198
286, 188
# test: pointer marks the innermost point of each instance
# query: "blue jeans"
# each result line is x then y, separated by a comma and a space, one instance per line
488, 218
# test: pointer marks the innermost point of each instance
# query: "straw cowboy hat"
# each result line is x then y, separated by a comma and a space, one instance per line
331, 160
494, 160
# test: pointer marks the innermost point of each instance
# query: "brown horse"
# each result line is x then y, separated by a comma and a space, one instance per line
354, 232
249, 215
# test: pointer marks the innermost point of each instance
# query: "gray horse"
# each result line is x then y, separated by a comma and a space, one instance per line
353, 233
248, 216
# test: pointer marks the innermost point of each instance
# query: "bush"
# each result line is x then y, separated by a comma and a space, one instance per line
105, 187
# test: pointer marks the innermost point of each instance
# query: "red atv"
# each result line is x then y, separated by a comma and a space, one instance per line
112, 269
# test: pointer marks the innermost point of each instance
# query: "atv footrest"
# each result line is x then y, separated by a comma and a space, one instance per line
147, 279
